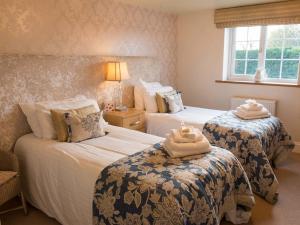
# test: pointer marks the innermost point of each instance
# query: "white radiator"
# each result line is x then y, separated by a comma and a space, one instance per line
268, 103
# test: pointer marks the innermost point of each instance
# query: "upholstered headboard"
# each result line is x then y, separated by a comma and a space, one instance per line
28, 78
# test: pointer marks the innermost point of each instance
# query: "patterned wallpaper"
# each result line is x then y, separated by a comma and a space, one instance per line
53, 49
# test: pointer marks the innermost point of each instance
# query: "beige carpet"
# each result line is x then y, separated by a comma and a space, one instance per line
285, 212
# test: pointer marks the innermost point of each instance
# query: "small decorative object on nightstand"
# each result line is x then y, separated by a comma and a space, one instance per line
10, 185
109, 107
132, 119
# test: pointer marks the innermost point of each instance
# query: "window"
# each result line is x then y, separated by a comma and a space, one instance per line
274, 48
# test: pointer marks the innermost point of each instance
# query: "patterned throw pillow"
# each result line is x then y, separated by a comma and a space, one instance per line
175, 103
58, 118
161, 101
83, 128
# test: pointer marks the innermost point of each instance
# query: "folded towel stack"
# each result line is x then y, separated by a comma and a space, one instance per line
186, 141
251, 110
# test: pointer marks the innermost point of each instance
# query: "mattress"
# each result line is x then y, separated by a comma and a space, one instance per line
67, 196
160, 124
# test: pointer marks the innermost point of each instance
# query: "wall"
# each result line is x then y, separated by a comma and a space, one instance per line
200, 61
53, 49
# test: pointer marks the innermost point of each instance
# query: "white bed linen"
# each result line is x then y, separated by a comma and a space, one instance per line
160, 124
59, 178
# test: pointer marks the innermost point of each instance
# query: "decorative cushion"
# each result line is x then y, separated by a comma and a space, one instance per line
150, 98
44, 114
6, 176
83, 128
162, 104
59, 123
175, 103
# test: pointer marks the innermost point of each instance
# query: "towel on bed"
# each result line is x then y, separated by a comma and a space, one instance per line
187, 137
186, 149
249, 115
252, 107
251, 110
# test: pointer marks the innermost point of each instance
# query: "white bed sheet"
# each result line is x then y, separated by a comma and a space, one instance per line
160, 124
59, 178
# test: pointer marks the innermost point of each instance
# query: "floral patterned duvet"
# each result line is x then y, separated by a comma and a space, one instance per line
256, 143
149, 187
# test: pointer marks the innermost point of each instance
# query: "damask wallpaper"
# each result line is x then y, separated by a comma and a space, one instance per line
53, 49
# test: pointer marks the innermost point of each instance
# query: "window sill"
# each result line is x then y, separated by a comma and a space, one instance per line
259, 83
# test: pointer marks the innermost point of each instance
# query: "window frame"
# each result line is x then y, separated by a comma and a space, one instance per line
230, 33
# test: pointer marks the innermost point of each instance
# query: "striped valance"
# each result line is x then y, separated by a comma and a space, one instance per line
286, 12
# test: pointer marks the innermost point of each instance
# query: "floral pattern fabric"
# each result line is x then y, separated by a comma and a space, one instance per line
256, 143
83, 128
149, 187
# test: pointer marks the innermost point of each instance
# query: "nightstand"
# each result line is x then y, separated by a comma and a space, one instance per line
132, 119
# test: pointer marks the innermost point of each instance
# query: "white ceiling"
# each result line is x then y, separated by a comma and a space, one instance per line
183, 6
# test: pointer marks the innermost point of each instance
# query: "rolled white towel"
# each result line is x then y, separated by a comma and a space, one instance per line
252, 107
189, 132
185, 129
251, 102
193, 137
176, 150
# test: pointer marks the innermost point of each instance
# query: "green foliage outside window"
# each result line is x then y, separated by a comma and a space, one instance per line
289, 67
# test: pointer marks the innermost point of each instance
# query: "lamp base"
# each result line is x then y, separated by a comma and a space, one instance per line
121, 108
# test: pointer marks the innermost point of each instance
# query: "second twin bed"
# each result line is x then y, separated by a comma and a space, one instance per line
258, 144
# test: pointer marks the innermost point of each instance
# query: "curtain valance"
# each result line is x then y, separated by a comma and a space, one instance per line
286, 12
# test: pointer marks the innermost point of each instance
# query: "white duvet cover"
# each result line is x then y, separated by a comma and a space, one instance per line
160, 124
59, 178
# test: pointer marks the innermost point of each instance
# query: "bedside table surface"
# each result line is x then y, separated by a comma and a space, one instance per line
125, 114
132, 119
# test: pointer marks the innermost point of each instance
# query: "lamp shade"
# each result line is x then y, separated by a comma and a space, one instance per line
116, 71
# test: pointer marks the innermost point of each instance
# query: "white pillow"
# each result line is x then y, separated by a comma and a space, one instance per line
150, 99
175, 103
44, 115
46, 124
150, 85
29, 110
139, 90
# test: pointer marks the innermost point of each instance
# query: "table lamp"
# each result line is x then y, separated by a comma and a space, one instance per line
117, 71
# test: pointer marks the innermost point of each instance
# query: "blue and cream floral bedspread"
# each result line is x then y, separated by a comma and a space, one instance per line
256, 143
149, 187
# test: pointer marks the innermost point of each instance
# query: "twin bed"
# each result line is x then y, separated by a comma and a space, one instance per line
59, 178
127, 177
258, 144
138, 184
